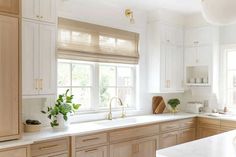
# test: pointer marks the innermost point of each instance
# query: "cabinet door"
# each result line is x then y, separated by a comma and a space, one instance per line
187, 135
206, 132
30, 9
168, 139
47, 72
136, 148
145, 148
9, 6
30, 58
190, 56
204, 55
9, 80
93, 152
48, 10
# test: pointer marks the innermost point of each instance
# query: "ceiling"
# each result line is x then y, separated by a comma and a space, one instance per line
183, 6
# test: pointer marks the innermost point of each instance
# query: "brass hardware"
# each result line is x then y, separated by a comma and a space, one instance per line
41, 84
129, 13
109, 116
48, 147
135, 148
36, 84
41, 17
90, 150
38, 16
90, 139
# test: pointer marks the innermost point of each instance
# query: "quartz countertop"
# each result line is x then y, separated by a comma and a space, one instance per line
85, 128
92, 127
222, 145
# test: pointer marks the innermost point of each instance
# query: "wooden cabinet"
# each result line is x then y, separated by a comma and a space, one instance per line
93, 152
166, 57
136, 148
169, 139
208, 127
41, 10
206, 132
9, 6
54, 148
187, 135
15, 152
9, 80
38, 59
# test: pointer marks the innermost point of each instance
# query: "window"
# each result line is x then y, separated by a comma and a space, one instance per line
231, 78
94, 84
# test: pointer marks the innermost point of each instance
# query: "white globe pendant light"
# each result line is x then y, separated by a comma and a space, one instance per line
220, 12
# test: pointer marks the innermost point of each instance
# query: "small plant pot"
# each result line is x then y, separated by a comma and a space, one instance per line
62, 123
174, 110
32, 128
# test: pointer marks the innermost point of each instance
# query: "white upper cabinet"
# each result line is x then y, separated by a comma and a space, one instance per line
166, 57
41, 10
38, 59
199, 36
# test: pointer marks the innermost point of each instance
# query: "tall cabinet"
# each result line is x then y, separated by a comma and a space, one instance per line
38, 48
9, 71
165, 58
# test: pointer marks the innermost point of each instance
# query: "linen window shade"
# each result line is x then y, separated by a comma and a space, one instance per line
90, 42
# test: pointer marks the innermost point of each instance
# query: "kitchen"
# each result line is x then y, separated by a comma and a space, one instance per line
83, 78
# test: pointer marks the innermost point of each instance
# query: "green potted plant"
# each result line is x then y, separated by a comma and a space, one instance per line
59, 113
174, 104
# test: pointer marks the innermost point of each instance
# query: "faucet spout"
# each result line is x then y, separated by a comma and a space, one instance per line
109, 117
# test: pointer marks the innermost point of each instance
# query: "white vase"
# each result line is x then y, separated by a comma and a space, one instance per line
62, 123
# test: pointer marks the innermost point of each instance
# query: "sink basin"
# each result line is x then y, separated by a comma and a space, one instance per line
116, 122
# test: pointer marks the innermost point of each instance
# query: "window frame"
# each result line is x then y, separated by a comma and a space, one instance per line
94, 87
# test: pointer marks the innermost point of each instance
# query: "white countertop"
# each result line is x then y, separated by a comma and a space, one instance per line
93, 127
99, 126
223, 145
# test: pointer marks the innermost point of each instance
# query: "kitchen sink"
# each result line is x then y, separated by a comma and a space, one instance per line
116, 122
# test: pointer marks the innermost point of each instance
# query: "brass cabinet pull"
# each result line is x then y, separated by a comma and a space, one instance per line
135, 148
90, 139
91, 150
41, 17
48, 147
36, 84
41, 84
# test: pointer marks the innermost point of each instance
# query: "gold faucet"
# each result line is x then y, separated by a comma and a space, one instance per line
109, 117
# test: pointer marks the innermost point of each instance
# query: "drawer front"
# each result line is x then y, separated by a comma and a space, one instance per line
47, 147
169, 126
228, 125
133, 133
20, 152
90, 140
188, 123
187, 135
93, 152
208, 122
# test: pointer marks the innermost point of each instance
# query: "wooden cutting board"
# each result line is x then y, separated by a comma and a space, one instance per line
158, 105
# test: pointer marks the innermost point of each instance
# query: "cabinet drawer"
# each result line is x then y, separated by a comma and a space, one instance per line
188, 123
48, 147
92, 152
169, 126
20, 152
208, 122
134, 133
90, 140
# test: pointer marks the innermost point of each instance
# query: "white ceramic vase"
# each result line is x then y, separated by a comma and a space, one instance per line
62, 123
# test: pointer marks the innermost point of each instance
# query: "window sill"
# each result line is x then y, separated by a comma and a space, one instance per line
87, 116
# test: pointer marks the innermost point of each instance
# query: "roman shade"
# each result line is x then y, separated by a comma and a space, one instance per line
90, 42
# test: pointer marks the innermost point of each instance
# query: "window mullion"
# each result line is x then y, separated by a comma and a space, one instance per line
95, 90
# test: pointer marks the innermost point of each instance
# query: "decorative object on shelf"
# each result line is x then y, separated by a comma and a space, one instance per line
158, 105
32, 126
59, 113
220, 12
129, 13
174, 105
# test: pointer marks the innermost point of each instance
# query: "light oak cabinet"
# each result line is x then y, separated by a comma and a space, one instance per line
38, 59
187, 135
169, 139
93, 152
52, 148
136, 148
16, 152
41, 10
9, 80
9, 6
206, 132
208, 127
